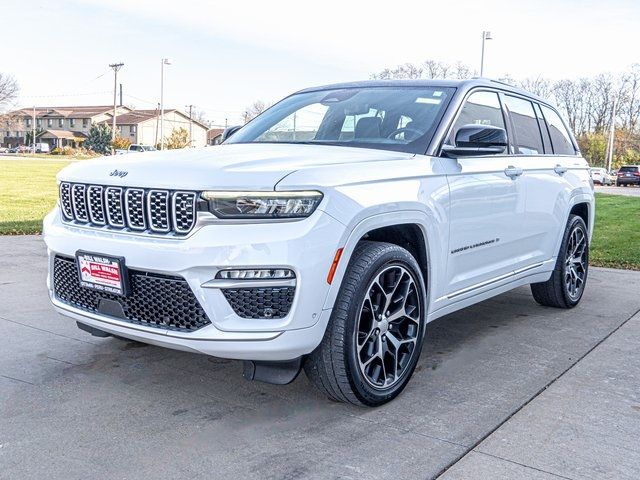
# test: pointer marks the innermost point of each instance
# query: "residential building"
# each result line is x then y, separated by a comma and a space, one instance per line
214, 136
143, 126
58, 126
62, 126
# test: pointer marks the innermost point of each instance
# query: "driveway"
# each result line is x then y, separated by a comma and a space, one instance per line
504, 389
626, 191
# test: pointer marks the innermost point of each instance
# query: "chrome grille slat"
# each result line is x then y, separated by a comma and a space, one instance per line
158, 210
79, 202
139, 210
96, 204
134, 200
184, 211
65, 200
115, 210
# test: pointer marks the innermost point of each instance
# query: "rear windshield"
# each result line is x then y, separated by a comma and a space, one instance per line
628, 169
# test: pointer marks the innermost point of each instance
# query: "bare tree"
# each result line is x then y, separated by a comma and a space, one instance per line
428, 69
255, 109
629, 98
8, 91
538, 86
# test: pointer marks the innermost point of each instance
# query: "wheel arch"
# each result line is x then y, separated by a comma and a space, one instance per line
408, 229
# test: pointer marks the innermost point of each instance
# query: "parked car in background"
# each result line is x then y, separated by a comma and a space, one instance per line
4, 150
19, 149
40, 148
327, 232
600, 176
628, 175
135, 147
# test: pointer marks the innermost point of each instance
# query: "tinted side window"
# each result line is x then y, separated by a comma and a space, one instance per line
546, 140
560, 138
526, 131
481, 108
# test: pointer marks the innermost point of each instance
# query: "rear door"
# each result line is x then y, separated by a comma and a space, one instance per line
487, 204
545, 178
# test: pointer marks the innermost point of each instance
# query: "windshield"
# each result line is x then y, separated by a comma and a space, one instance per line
389, 118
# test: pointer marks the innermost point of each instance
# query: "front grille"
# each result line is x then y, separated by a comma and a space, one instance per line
155, 300
130, 209
268, 302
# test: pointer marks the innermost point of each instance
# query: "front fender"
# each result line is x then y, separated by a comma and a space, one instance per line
434, 244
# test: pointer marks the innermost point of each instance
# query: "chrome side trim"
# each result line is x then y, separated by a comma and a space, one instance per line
477, 286
265, 283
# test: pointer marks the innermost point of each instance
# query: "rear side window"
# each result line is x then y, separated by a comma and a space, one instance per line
481, 108
528, 140
546, 139
560, 138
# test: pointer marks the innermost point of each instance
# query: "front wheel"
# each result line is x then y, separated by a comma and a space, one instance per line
565, 287
375, 333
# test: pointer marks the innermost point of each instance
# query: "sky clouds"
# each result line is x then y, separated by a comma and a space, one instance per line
227, 54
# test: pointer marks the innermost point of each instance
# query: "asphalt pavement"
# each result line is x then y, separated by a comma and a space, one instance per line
504, 389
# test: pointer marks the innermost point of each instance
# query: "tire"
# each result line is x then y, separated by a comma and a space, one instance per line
570, 271
366, 357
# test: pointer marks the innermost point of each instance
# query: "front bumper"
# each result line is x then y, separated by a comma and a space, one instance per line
307, 247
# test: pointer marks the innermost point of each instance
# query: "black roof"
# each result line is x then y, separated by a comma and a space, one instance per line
463, 85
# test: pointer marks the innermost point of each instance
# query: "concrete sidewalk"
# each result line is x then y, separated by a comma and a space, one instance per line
75, 407
586, 424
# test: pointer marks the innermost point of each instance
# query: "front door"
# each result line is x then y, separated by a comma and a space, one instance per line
487, 203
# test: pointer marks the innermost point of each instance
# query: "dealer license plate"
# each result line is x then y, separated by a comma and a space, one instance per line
102, 273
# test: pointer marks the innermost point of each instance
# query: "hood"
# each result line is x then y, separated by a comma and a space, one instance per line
233, 167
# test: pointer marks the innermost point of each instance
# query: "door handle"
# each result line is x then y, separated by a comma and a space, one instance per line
512, 172
559, 169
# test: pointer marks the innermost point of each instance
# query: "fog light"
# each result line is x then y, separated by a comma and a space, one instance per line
256, 274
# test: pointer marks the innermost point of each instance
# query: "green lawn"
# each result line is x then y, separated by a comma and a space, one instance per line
616, 238
28, 192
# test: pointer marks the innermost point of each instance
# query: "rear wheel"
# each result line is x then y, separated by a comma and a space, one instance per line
565, 287
374, 337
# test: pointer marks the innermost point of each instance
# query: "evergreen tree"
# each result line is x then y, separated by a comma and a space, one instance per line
99, 138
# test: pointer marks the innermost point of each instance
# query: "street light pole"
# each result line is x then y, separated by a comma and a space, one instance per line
485, 36
612, 134
165, 61
33, 130
116, 67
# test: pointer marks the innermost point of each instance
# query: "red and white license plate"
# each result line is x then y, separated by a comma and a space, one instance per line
102, 273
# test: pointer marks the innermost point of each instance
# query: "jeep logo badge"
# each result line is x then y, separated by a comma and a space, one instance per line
118, 173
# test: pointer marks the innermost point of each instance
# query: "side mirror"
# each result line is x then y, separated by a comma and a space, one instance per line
476, 140
229, 131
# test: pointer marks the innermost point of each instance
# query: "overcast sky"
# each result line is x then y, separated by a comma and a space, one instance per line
228, 54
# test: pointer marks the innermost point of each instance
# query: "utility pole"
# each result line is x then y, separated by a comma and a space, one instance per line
485, 36
33, 130
165, 61
116, 67
612, 132
155, 144
190, 107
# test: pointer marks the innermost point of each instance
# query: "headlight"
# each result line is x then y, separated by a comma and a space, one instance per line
262, 205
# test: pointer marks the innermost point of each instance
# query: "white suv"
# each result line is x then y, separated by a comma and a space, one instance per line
329, 231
